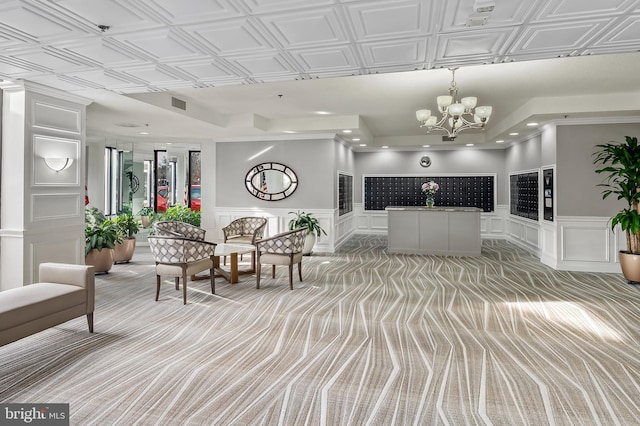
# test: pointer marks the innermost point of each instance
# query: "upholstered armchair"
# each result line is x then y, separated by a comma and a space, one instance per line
281, 249
172, 228
247, 230
180, 257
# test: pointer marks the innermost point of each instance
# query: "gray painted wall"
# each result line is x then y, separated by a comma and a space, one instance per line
408, 163
523, 156
313, 162
576, 179
548, 142
344, 162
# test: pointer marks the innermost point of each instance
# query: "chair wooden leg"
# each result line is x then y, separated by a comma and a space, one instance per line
300, 270
184, 285
258, 268
273, 271
157, 287
213, 281
291, 276
258, 275
177, 283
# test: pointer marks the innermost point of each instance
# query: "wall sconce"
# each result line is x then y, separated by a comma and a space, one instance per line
58, 164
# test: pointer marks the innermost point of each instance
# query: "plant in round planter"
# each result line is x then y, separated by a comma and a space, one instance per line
314, 230
621, 166
127, 227
146, 216
100, 241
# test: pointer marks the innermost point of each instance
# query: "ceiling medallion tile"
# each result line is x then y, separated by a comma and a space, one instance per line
194, 11
401, 51
230, 38
309, 28
391, 19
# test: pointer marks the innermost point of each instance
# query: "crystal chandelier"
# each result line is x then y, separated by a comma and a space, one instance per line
457, 115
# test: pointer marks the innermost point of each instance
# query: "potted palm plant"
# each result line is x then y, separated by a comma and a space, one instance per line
621, 167
127, 227
314, 230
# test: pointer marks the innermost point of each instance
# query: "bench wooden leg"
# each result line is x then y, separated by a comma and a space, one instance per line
90, 322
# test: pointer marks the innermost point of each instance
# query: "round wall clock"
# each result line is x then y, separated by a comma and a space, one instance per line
425, 161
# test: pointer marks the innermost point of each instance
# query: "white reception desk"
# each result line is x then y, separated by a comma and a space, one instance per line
444, 231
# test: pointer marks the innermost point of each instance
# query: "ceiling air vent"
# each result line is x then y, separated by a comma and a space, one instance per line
178, 103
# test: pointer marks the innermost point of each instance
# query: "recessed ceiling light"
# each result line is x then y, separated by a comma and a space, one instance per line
363, 144
500, 141
385, 146
346, 131
426, 146
356, 139
514, 134
144, 133
532, 124
323, 112
469, 144
288, 131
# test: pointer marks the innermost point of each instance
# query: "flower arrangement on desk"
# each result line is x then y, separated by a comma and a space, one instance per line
430, 188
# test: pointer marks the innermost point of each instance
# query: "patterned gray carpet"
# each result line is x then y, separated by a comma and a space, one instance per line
366, 338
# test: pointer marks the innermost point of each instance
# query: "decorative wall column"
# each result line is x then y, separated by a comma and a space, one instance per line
41, 206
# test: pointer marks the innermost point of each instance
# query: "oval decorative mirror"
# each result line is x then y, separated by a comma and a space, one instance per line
271, 181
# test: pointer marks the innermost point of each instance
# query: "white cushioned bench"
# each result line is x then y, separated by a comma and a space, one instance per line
64, 292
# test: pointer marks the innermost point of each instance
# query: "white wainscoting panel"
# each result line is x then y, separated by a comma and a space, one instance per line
379, 222
587, 244
581, 243
54, 206
548, 244
58, 248
12, 264
57, 118
23, 251
345, 228
524, 233
493, 225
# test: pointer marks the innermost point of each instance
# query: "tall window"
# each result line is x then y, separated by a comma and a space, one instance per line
193, 190
148, 184
164, 181
112, 181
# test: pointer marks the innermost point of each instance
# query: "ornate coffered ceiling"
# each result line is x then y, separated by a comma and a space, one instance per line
156, 47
